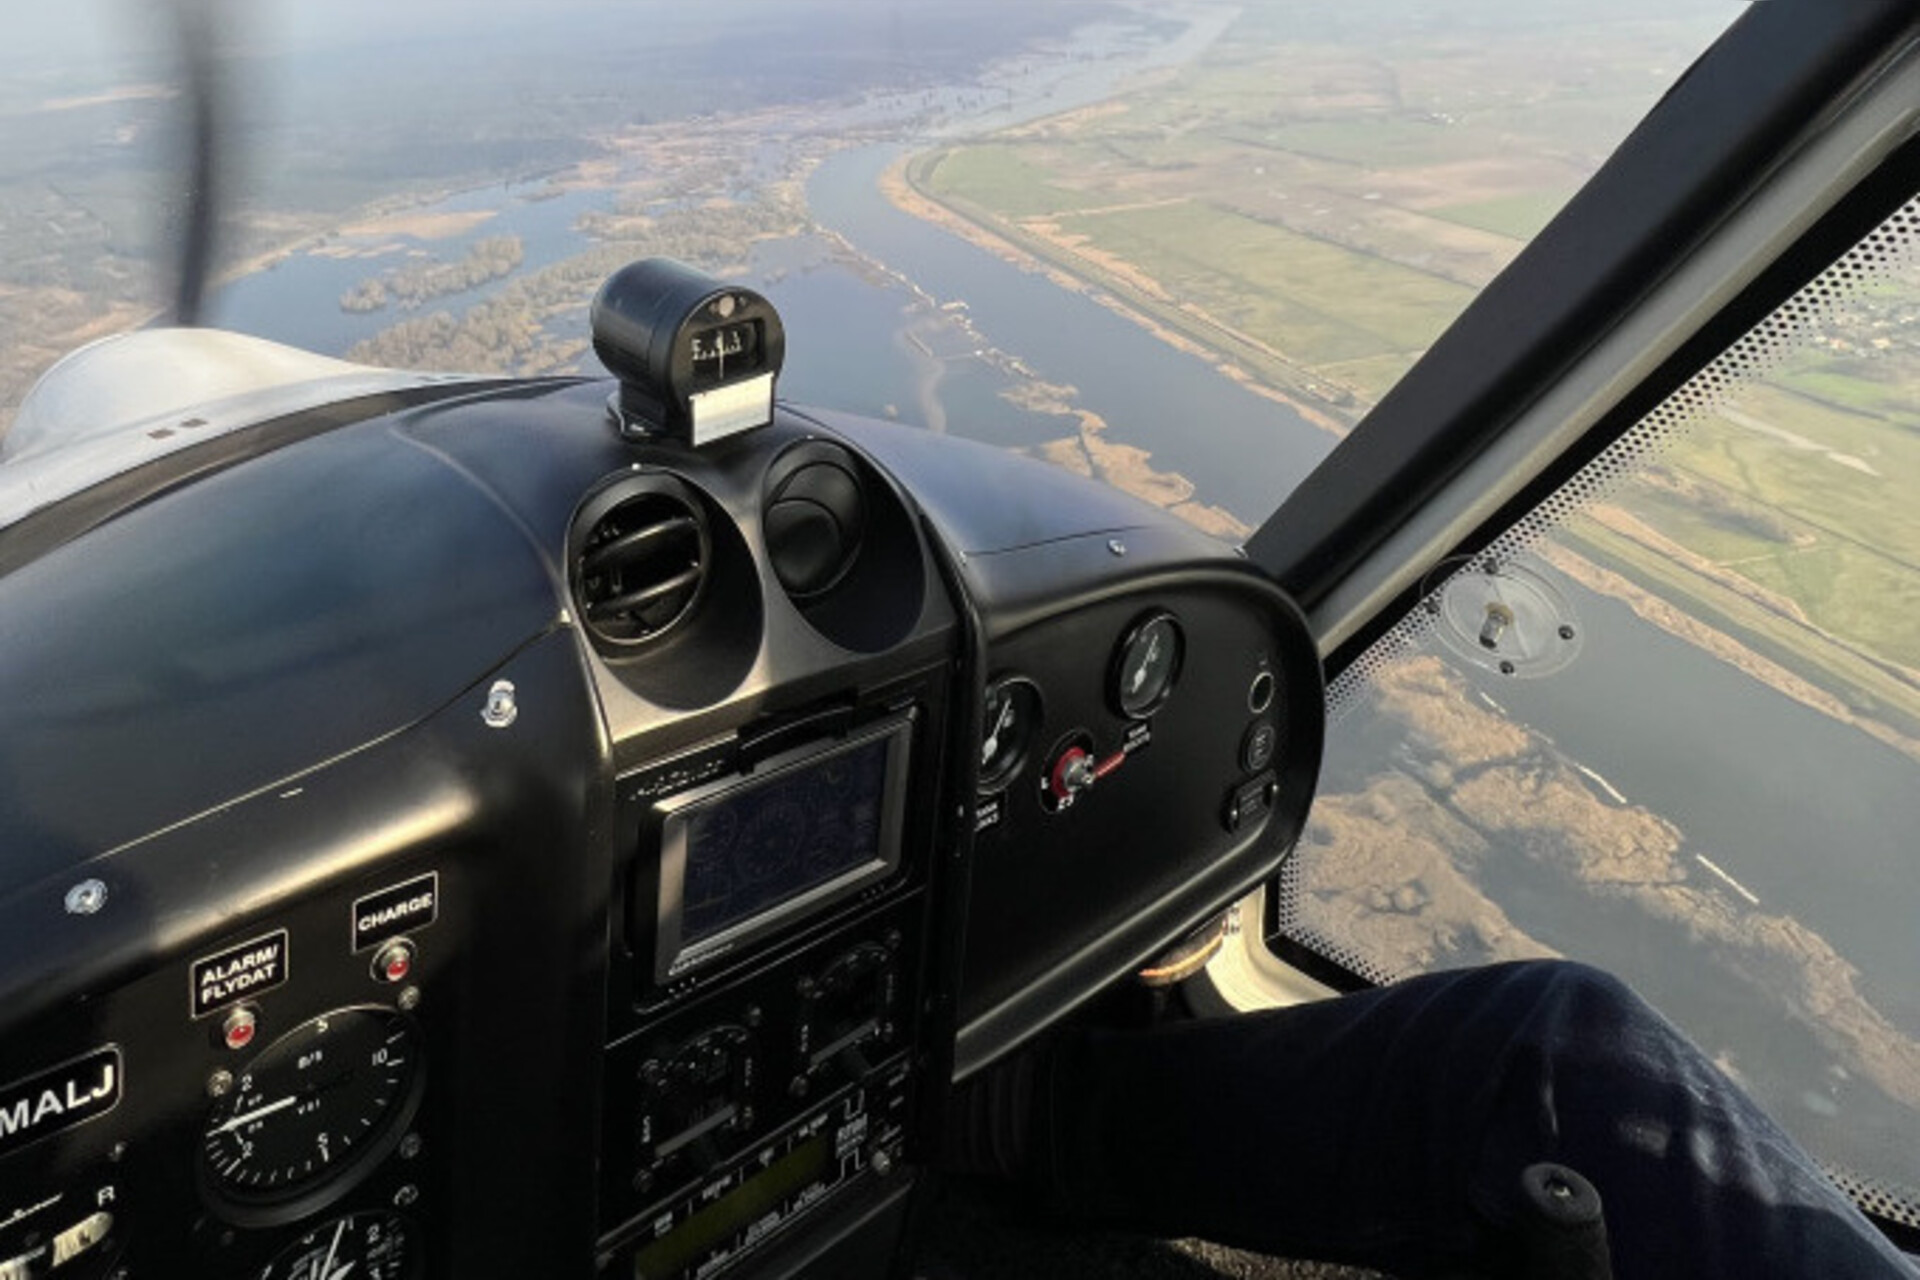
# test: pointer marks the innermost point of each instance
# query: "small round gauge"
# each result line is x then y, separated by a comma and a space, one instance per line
318, 1108
1012, 716
1146, 664
365, 1246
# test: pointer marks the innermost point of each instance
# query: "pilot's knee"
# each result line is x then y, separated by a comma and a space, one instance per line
1582, 993
1588, 982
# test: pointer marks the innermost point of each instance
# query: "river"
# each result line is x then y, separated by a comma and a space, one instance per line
1241, 450
297, 300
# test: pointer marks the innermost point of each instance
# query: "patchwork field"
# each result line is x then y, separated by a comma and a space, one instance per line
1316, 212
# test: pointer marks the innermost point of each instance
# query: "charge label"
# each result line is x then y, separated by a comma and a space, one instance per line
239, 972
404, 907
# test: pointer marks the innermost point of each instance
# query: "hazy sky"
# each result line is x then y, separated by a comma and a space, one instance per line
90, 36
89, 29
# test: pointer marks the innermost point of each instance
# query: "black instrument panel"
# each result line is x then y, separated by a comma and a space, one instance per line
1136, 811
336, 917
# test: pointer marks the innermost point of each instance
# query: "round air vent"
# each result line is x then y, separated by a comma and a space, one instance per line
815, 517
640, 559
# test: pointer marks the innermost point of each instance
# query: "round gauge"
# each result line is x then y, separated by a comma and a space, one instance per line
316, 1109
365, 1246
1146, 664
1012, 716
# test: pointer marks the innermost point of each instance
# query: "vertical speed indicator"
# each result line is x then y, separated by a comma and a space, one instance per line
311, 1115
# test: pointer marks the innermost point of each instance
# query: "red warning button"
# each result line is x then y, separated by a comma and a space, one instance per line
394, 962
238, 1029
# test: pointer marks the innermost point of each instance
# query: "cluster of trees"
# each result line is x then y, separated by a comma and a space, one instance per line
408, 287
508, 333
705, 233
490, 338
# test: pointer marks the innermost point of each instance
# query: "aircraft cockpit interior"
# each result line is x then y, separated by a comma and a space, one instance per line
589, 824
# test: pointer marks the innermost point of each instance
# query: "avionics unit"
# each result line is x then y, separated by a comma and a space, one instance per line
760, 1079
744, 856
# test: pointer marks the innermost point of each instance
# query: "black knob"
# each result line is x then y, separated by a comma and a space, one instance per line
1562, 1231
853, 1062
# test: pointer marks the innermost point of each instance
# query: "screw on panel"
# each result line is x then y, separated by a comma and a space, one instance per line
219, 1084
1566, 631
1499, 617
502, 708
410, 999
1507, 668
1116, 546
410, 1146
86, 898
405, 1196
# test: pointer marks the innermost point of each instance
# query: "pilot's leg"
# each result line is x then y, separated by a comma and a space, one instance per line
1389, 1128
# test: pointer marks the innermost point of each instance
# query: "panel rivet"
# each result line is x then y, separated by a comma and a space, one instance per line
502, 708
86, 898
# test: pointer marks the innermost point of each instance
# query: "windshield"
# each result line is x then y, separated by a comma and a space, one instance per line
1181, 249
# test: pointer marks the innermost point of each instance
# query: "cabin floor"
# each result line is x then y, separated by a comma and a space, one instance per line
972, 1235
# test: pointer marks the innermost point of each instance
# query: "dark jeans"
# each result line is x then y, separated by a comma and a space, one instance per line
1389, 1129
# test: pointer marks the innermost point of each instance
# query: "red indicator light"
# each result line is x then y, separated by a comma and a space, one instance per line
238, 1030
393, 963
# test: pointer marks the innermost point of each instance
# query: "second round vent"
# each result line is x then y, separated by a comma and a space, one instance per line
640, 559
815, 517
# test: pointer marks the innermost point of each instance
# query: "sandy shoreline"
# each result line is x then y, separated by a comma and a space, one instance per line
904, 195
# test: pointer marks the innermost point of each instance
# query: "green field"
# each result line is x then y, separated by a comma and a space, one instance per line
1319, 219
1520, 215
1814, 505
1382, 143
1819, 475
1315, 301
1001, 179
1311, 308
1858, 681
